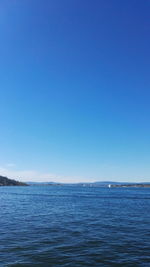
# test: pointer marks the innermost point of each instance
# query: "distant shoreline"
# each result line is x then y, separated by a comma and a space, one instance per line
130, 185
99, 184
4, 181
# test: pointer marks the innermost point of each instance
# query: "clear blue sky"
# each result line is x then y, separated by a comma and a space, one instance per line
75, 89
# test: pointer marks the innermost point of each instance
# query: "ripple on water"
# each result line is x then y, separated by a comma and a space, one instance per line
74, 226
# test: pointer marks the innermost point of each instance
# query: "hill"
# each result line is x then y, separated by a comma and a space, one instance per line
4, 181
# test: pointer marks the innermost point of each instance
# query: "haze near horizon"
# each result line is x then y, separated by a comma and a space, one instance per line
75, 90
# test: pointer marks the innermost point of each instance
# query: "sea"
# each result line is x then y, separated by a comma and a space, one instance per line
74, 226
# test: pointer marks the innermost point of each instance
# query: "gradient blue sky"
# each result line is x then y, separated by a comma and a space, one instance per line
75, 90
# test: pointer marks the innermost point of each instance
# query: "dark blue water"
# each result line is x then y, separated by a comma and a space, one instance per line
74, 226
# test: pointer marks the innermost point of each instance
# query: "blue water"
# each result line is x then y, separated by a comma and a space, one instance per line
74, 226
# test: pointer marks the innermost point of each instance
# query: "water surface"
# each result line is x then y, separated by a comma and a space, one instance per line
74, 226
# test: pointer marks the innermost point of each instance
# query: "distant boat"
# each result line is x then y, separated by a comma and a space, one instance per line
109, 185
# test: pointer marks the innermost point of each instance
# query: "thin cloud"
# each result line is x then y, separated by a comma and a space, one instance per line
10, 165
35, 176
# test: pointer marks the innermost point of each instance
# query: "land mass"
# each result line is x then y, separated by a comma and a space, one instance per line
94, 184
4, 181
130, 185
